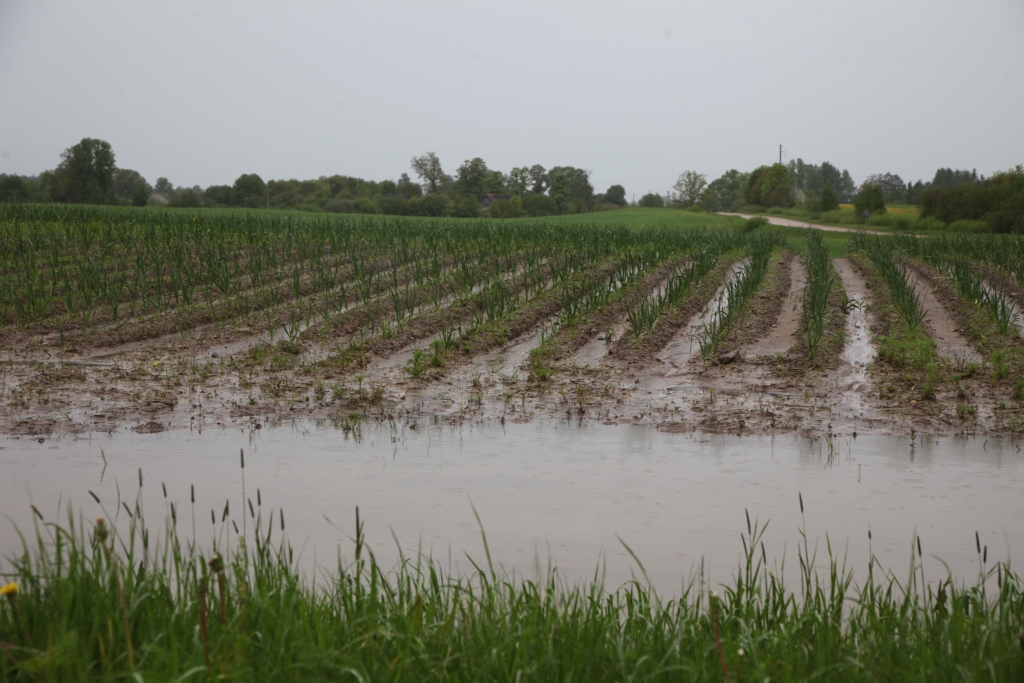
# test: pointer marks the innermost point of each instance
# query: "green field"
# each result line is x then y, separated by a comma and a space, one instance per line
645, 217
632, 217
87, 603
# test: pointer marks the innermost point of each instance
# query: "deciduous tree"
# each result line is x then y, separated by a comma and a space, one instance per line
652, 201
688, 189
86, 173
538, 178
571, 189
519, 181
776, 188
728, 190
428, 168
870, 198
471, 178
130, 187
496, 183
249, 190
828, 200
616, 194
12, 189
407, 187
892, 186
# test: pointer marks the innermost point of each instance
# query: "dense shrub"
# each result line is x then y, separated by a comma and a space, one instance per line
338, 206
467, 207
366, 205
752, 224
999, 201
929, 224
966, 225
839, 216
652, 201
536, 204
187, 199
870, 198
435, 205
513, 208
393, 206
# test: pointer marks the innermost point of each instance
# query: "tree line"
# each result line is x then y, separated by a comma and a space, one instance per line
950, 196
88, 174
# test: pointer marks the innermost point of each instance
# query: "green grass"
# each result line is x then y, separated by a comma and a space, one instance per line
643, 217
837, 244
631, 217
93, 603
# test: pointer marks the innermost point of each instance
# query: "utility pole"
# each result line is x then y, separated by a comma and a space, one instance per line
780, 154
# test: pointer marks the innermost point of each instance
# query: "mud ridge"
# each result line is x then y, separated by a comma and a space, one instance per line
949, 327
524, 319
762, 320
633, 354
610, 317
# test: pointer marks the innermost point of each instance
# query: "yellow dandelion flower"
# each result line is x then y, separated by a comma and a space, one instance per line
10, 590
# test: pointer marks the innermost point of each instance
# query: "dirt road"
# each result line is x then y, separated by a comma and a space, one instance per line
790, 223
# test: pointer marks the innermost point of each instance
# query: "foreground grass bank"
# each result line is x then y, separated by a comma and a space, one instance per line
86, 602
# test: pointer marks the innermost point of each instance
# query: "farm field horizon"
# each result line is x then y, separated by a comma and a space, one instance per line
613, 376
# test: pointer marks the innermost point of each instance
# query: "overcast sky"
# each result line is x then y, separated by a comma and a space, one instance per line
636, 92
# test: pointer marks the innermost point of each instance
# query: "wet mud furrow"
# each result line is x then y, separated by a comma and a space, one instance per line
675, 326
528, 318
772, 386
385, 355
939, 323
220, 322
853, 376
787, 316
763, 309
684, 345
203, 315
588, 340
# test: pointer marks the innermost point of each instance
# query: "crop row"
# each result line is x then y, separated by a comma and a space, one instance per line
88, 266
1003, 252
904, 295
821, 281
738, 292
953, 258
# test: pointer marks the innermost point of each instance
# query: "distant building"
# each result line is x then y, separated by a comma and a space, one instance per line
489, 199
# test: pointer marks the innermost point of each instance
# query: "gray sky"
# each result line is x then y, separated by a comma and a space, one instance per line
637, 92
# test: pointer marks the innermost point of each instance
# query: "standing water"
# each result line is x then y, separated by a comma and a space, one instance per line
565, 493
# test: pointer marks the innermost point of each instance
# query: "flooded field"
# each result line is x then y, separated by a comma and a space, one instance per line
600, 403
577, 384
559, 491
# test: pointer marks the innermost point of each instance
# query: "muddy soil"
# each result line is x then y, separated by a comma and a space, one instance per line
780, 337
769, 386
938, 322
